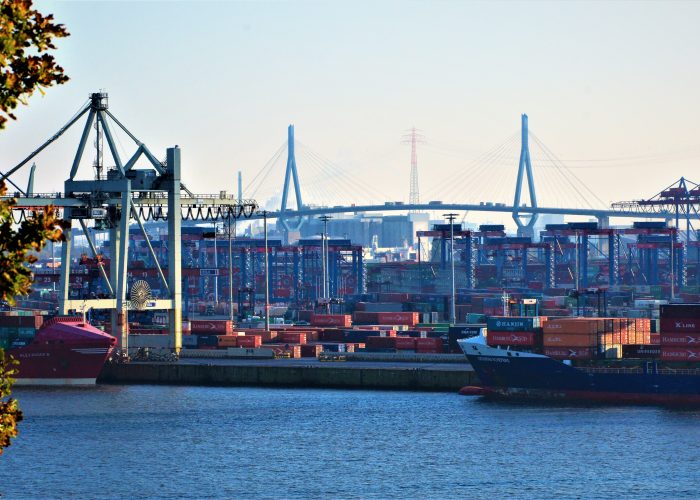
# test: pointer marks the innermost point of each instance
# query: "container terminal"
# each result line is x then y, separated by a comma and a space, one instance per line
202, 276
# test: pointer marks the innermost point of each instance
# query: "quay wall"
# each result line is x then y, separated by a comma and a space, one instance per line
334, 375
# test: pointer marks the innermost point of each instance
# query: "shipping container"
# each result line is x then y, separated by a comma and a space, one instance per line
249, 341
676, 311
571, 352
333, 335
680, 339
363, 317
342, 320
339, 347
380, 307
494, 338
398, 318
405, 343
381, 342
641, 351
689, 354
574, 326
570, 340
429, 345
685, 325
204, 341
292, 337
23, 321
513, 324
311, 350
358, 335
454, 335
211, 326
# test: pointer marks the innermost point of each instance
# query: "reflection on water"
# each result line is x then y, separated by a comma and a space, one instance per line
165, 441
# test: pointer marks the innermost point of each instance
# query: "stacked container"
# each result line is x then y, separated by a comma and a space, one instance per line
342, 320
571, 338
680, 332
16, 326
523, 331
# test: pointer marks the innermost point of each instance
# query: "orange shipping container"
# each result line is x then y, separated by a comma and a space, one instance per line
250, 341
572, 340
343, 320
575, 326
292, 338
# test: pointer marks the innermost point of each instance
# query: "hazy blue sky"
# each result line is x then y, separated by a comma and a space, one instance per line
610, 88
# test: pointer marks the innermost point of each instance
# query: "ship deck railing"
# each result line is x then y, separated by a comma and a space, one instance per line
597, 369
636, 371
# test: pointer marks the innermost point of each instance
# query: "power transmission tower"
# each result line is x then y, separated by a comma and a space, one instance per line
414, 137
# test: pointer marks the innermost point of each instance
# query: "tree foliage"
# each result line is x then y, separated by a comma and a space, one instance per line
26, 36
25, 66
18, 246
10, 414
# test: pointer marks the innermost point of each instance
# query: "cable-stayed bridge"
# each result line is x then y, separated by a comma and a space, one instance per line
308, 191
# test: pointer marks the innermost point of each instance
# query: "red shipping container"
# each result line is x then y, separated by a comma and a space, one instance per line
570, 352
406, 343
511, 338
398, 318
680, 339
292, 337
690, 325
428, 344
250, 341
211, 326
343, 320
691, 354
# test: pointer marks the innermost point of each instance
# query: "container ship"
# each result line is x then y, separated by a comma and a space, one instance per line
587, 359
58, 351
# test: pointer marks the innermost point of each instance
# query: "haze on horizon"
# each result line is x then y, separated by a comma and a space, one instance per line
610, 88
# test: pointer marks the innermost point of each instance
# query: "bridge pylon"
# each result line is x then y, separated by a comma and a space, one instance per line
525, 224
290, 174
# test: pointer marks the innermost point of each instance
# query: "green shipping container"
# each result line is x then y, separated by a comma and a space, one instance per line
9, 331
26, 332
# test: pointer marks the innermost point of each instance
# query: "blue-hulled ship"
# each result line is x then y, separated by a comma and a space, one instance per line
511, 374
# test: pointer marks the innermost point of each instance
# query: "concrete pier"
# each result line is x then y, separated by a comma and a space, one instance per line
295, 373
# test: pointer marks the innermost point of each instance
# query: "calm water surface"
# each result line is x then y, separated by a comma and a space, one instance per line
200, 442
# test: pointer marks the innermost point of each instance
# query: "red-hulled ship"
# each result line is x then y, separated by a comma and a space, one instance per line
64, 351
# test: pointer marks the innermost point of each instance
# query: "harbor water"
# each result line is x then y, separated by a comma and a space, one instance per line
204, 442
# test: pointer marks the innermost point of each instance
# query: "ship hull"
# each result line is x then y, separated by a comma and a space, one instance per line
64, 353
523, 376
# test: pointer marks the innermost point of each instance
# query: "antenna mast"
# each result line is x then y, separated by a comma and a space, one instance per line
414, 137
